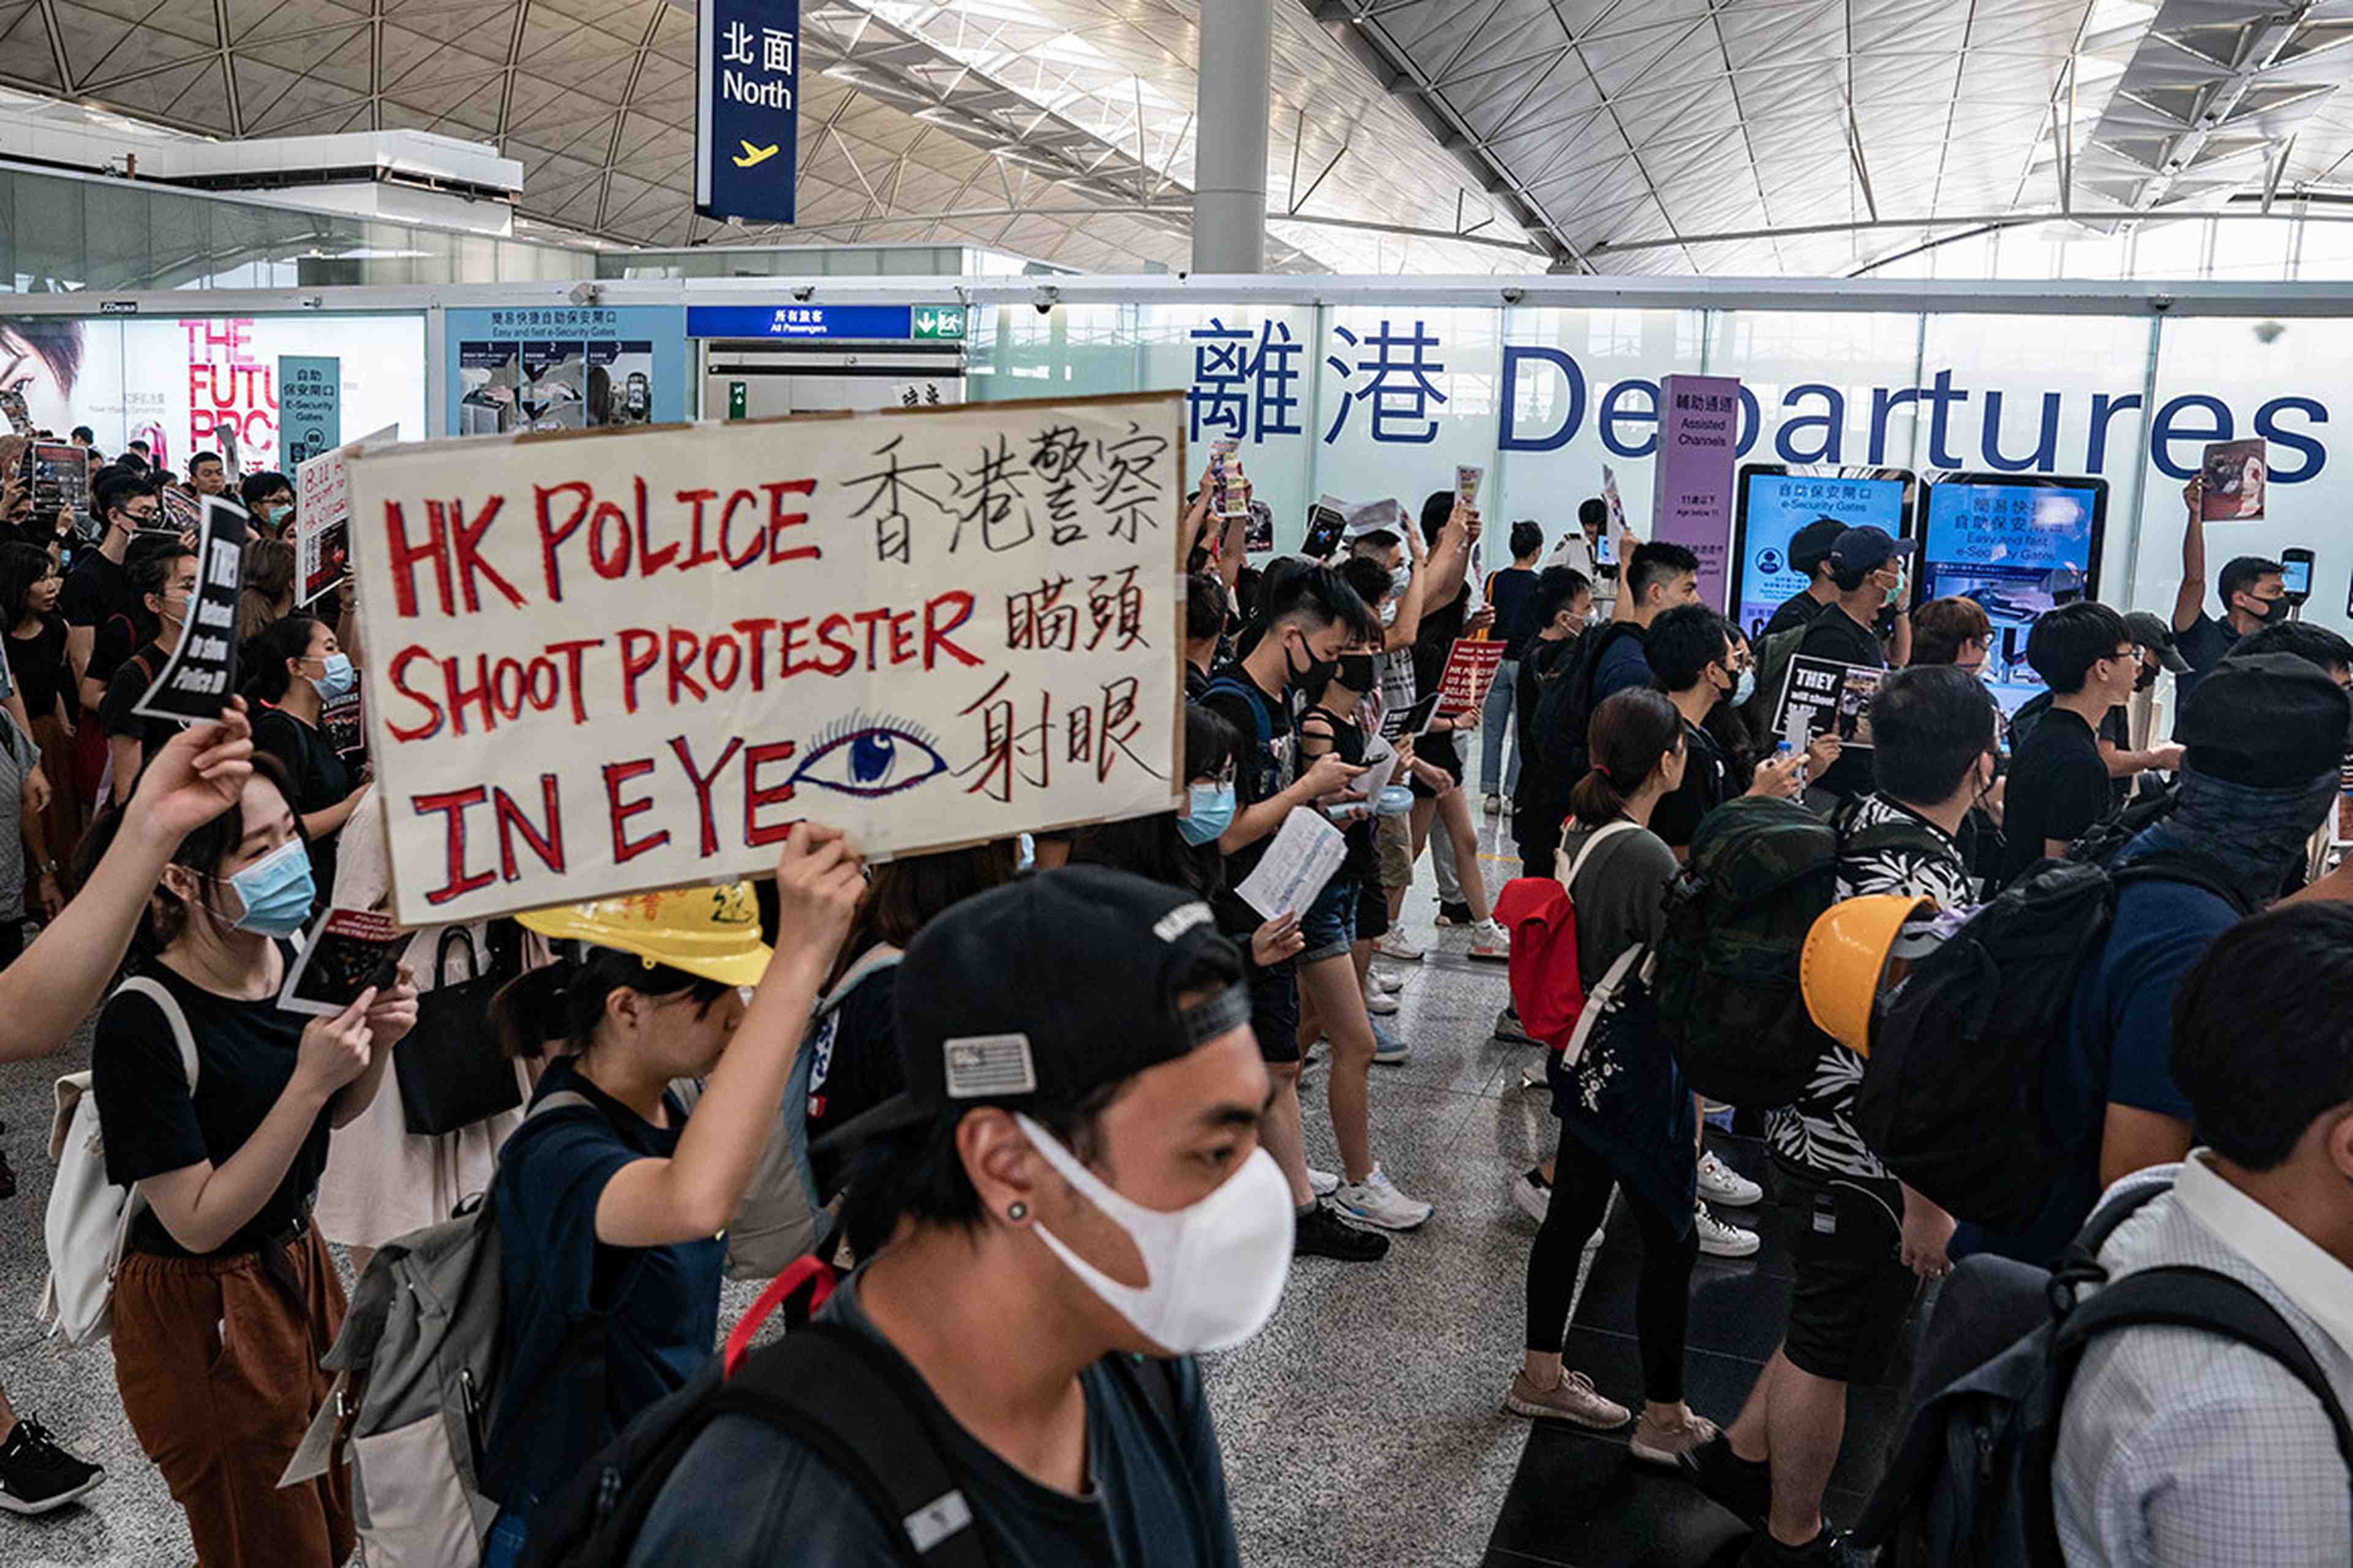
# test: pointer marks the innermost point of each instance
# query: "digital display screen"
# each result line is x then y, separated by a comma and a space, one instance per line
1777, 501
2017, 546
2295, 576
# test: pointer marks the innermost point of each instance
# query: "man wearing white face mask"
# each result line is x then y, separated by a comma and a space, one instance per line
1070, 1182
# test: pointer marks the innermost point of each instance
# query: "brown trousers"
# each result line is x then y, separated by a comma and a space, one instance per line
218, 1365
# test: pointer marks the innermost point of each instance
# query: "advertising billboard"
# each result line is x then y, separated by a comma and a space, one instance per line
1777, 500
2019, 546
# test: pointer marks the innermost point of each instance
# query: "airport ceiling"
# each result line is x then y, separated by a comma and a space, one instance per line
1727, 137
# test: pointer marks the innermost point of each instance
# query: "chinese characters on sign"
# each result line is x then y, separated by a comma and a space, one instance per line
1690, 496
746, 128
631, 661
309, 408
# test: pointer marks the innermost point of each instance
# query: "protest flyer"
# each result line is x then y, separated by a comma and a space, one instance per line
1258, 537
1821, 695
628, 659
2235, 472
200, 677
1229, 489
322, 512
340, 723
60, 472
1306, 851
180, 513
347, 951
1466, 484
1325, 520
1471, 666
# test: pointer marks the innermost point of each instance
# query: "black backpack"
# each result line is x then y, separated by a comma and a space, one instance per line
1556, 754
1952, 1093
849, 1398
1970, 1482
1727, 983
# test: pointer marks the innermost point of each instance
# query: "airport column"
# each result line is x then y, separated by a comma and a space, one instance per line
1230, 166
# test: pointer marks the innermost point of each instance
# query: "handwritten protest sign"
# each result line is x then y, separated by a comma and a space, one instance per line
1821, 695
323, 514
606, 663
200, 677
1471, 667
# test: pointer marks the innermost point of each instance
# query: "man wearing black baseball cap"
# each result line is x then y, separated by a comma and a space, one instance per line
1864, 567
1071, 1181
1810, 557
2263, 736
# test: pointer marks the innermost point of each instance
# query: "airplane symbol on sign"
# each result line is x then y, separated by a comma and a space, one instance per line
751, 157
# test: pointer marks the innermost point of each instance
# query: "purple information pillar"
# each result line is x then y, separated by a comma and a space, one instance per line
1690, 499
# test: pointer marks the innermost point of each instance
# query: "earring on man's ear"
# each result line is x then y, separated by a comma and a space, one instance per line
1018, 1212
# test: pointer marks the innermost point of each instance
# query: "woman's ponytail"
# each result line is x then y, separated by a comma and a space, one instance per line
1631, 734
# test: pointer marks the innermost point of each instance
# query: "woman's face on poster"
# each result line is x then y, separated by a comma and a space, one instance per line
49, 401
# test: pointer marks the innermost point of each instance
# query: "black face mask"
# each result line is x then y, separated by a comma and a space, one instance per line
1356, 671
2272, 610
1311, 678
2146, 679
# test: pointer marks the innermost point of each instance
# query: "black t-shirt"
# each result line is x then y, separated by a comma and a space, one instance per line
1799, 611
97, 591
246, 1054
1348, 739
1513, 592
1706, 783
1539, 661
1196, 681
2058, 789
38, 663
1835, 635
123, 690
856, 1066
2202, 647
1262, 770
320, 779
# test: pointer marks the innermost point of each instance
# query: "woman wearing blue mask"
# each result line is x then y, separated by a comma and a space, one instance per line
296, 672
226, 1296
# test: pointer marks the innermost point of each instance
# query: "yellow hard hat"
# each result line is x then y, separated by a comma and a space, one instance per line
1845, 959
713, 932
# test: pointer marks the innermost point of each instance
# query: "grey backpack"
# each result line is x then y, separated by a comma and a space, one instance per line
417, 1368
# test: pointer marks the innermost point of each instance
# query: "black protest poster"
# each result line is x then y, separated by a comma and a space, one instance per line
200, 677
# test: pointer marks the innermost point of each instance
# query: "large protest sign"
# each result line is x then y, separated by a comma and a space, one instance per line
1821, 695
200, 677
610, 662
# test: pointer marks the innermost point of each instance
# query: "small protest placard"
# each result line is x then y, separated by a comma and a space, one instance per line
1821, 695
340, 723
1306, 851
625, 659
180, 513
60, 472
347, 951
323, 514
201, 674
1471, 667
1325, 520
2235, 472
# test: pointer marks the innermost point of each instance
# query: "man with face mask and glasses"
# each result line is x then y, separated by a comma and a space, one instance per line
1871, 1239
1071, 1182
2254, 596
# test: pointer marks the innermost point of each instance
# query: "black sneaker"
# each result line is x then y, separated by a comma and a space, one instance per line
1454, 914
36, 1476
1322, 1234
1744, 1488
1829, 1548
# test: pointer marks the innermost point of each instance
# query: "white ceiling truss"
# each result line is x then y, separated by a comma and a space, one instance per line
1751, 137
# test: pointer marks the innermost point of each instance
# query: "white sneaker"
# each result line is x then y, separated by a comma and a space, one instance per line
1396, 947
1374, 1201
1495, 807
1720, 1183
1718, 1239
1324, 1183
1491, 941
1531, 1194
1392, 984
1379, 1000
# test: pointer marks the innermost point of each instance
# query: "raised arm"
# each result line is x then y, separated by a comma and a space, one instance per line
2189, 599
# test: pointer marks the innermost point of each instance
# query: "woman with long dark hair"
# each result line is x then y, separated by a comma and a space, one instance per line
1626, 1117
295, 669
29, 584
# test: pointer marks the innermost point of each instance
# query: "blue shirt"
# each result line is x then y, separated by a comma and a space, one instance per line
1623, 665
660, 1304
747, 1494
2119, 1052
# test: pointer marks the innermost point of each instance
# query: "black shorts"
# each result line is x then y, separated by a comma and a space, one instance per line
1274, 1012
1439, 750
1372, 909
1852, 1294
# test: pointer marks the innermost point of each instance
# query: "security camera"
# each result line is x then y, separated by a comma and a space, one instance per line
1514, 296
2160, 302
2268, 331
806, 292
1046, 298
586, 294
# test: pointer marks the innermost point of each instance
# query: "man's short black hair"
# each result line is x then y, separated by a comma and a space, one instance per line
2245, 572
2254, 1091
83, 433
1592, 514
1205, 606
1435, 507
137, 446
1368, 577
1682, 644
197, 460
115, 487
1558, 588
1929, 725
1655, 563
2066, 642
1527, 539
2317, 644
1320, 598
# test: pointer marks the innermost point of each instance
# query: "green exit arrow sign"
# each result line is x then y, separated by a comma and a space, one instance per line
939, 323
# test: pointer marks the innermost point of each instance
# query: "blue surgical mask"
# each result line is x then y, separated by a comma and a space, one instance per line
1744, 688
275, 892
339, 678
1207, 813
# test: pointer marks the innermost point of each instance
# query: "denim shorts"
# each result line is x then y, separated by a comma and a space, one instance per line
1329, 923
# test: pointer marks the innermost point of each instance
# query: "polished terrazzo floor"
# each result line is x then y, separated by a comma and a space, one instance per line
1363, 1427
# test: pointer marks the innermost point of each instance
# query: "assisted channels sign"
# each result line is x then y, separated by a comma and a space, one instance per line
610, 662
